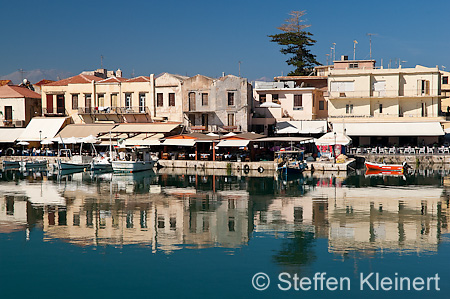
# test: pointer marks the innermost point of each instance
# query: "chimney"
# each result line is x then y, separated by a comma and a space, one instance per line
344, 57
223, 74
119, 73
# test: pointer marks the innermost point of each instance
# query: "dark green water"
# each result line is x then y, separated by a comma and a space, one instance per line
166, 235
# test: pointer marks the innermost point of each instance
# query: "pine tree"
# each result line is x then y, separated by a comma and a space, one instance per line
296, 42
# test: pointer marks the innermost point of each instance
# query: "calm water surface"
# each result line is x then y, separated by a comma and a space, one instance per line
197, 235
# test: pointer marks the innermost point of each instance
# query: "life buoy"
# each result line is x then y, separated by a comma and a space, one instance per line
260, 169
246, 168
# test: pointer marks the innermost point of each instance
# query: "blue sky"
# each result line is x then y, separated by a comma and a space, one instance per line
210, 37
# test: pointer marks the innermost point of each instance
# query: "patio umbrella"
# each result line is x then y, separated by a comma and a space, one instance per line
23, 143
229, 134
90, 139
46, 142
270, 105
212, 134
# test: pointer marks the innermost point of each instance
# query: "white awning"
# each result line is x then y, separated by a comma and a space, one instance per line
9, 135
145, 128
302, 127
144, 140
233, 143
332, 138
390, 129
41, 128
287, 139
179, 142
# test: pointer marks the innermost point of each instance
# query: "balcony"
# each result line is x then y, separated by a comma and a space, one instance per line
13, 123
232, 128
60, 111
113, 110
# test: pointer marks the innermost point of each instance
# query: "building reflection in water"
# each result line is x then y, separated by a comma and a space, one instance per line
173, 210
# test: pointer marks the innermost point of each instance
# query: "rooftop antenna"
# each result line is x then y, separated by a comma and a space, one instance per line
331, 53
354, 49
334, 50
443, 67
21, 71
328, 58
101, 61
132, 74
370, 43
239, 68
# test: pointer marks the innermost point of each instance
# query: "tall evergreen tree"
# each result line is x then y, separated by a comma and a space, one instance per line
295, 40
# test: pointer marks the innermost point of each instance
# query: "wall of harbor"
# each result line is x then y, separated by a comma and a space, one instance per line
266, 165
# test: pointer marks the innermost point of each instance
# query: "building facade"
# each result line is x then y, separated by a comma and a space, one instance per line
18, 105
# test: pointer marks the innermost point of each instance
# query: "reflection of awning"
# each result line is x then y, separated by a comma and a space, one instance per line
233, 143
302, 127
9, 135
390, 129
179, 142
332, 138
41, 128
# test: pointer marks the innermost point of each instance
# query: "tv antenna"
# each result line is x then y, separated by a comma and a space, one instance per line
370, 43
101, 61
22, 71
239, 68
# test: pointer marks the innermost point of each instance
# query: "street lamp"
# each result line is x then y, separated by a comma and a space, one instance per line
40, 136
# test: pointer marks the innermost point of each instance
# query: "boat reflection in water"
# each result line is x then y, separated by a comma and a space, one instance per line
174, 209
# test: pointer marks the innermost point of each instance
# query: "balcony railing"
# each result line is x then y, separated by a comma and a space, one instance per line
114, 110
386, 93
60, 111
12, 123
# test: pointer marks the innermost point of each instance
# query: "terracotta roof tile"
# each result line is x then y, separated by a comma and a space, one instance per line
5, 82
139, 79
113, 80
8, 91
78, 79
43, 82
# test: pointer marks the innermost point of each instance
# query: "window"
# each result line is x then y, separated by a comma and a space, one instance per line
262, 98
205, 120
114, 100
231, 99
321, 105
192, 101
342, 86
101, 100
159, 100
353, 66
204, 99
8, 113
349, 108
275, 99
298, 100
230, 119
127, 100
380, 108
142, 102
424, 86
171, 99
87, 102
445, 80
74, 101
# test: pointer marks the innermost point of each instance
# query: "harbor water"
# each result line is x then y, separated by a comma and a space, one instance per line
222, 234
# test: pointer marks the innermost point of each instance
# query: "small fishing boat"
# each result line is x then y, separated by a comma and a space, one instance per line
33, 164
75, 162
11, 164
290, 162
386, 167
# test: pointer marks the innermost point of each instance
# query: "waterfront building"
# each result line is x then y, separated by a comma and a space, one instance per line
168, 98
217, 105
18, 105
291, 104
385, 106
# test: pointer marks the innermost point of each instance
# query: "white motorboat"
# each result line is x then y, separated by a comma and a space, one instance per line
138, 160
101, 164
132, 166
